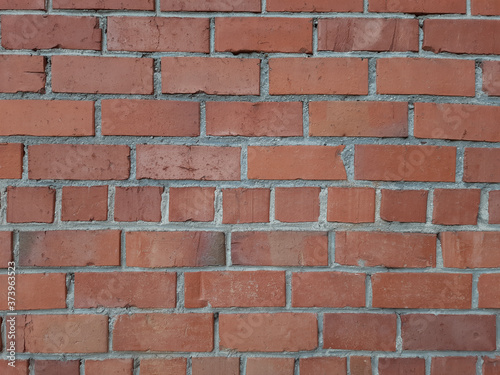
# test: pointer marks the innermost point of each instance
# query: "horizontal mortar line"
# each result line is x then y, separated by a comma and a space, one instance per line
251, 268
267, 14
252, 55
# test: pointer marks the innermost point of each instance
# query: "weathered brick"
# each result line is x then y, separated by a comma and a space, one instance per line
191, 204
30, 204
456, 206
114, 366
406, 206
494, 207
482, 165
395, 366
22, 4
297, 204
215, 366
485, 7
315, 6
351, 205
81, 203
454, 365
210, 6
5, 248
138, 203
491, 77
323, 366
417, 6
275, 366
245, 205
471, 249
105, 4
50, 367
11, 160
22, 73
157, 366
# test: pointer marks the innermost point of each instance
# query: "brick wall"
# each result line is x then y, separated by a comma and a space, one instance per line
281, 187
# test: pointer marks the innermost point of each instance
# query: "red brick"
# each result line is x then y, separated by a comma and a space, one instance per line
360, 331
21, 368
297, 204
210, 6
367, 34
417, 7
22, 4
328, 289
191, 204
277, 332
34, 31
30, 204
422, 290
279, 248
44, 367
105, 4
396, 366
218, 76
234, 289
405, 206
36, 291
457, 122
138, 203
179, 162
456, 206
123, 289
392, 250
314, 6
489, 291
175, 249
11, 160
5, 248
448, 332
62, 333
471, 249
404, 163
420, 76
261, 119
72, 248
102, 75
321, 76
275, 366
270, 34
494, 207
296, 162
216, 366
81, 203
491, 366
360, 365
351, 205
453, 365
116, 366
158, 34
245, 205
461, 36
22, 73
49, 118
159, 118
491, 77
482, 165
485, 7
358, 119
157, 366
323, 366
78, 162
164, 332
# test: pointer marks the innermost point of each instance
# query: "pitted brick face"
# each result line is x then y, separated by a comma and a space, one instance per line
250, 187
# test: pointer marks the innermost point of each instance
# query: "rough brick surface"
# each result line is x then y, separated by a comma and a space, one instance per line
248, 187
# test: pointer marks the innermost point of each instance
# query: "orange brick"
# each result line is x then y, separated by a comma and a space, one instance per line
138, 203
216, 366
471, 249
298, 204
234, 289
358, 119
218, 76
157, 366
116, 366
245, 205
351, 205
175, 249
265, 332
245, 34
328, 289
33, 31
30, 204
422, 290
262, 119
296, 162
420, 76
392, 250
482, 165
179, 332
279, 248
367, 34
11, 160
321, 76
158, 34
22, 73
81, 203
456, 206
405, 206
191, 204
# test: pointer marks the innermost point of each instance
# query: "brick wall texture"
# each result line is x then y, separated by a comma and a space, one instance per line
250, 187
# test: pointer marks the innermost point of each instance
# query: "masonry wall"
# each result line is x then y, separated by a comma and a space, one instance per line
282, 187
